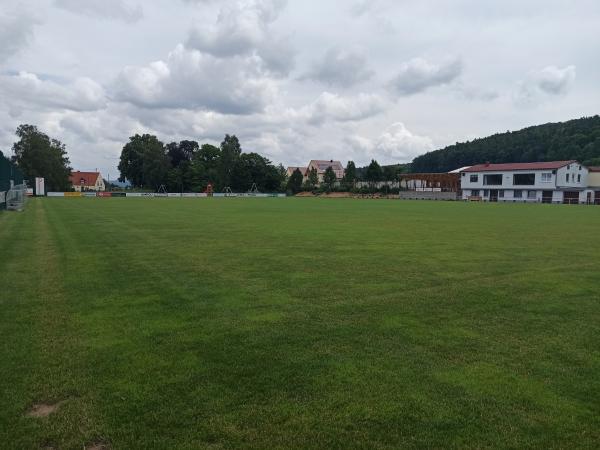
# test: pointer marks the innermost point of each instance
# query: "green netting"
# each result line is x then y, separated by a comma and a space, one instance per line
8, 172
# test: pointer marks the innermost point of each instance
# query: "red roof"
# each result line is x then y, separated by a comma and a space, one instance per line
322, 165
89, 178
594, 169
551, 165
293, 169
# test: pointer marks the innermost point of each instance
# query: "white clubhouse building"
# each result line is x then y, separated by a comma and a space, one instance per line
542, 182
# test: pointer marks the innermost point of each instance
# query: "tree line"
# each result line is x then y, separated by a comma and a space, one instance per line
147, 163
372, 174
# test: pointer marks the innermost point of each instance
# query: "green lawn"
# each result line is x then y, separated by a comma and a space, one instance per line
299, 323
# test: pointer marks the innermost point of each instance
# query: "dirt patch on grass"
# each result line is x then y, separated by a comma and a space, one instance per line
97, 446
348, 195
40, 410
337, 195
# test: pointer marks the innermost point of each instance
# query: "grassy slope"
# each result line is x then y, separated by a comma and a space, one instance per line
226, 323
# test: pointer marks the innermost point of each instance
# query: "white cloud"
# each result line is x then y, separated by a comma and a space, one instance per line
395, 145
549, 81
340, 68
189, 79
398, 143
26, 90
418, 75
239, 28
16, 31
243, 28
107, 9
334, 107
554, 81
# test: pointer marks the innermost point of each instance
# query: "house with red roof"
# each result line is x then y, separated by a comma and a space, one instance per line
290, 170
87, 181
322, 165
542, 182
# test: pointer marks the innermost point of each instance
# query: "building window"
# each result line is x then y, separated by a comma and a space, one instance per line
546, 177
474, 178
475, 193
579, 178
531, 195
501, 193
524, 179
485, 192
567, 178
518, 194
492, 180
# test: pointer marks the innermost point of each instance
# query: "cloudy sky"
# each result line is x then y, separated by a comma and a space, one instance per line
295, 79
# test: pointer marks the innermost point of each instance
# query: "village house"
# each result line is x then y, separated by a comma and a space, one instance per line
322, 165
87, 181
290, 170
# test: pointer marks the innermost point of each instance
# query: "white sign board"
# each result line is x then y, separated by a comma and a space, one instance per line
40, 187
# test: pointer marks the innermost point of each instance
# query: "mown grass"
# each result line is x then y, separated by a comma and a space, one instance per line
299, 323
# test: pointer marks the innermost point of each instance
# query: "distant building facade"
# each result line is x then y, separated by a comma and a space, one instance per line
290, 170
542, 182
87, 181
594, 183
321, 167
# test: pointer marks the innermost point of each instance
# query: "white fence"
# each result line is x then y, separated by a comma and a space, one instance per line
156, 195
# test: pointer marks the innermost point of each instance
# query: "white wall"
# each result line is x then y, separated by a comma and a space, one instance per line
556, 180
594, 179
578, 176
557, 196
507, 180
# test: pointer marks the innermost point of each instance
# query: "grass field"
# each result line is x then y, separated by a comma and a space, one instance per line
299, 323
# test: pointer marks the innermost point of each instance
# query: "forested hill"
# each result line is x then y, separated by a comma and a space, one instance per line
576, 139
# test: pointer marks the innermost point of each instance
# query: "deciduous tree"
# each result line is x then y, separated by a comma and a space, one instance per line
230, 152
374, 173
144, 161
37, 155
